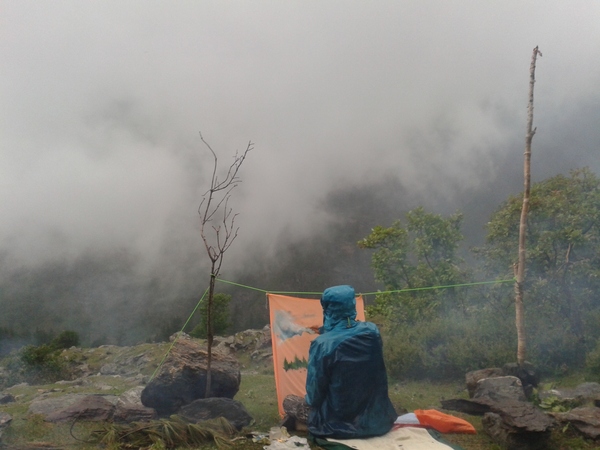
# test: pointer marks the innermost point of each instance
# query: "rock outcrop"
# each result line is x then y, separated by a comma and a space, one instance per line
508, 418
585, 419
214, 407
129, 407
182, 377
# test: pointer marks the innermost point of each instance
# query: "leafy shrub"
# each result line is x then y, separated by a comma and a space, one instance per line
220, 316
447, 347
592, 363
66, 339
42, 364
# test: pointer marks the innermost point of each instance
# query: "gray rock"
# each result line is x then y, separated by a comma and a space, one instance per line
296, 413
45, 406
77, 382
585, 419
586, 393
182, 378
109, 369
513, 438
6, 398
473, 377
5, 419
527, 373
500, 388
129, 407
508, 418
90, 407
215, 407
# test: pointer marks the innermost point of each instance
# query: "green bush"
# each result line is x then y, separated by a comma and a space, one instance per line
66, 339
592, 364
220, 316
447, 347
42, 364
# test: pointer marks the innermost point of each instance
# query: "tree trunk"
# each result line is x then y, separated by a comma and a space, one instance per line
520, 267
209, 331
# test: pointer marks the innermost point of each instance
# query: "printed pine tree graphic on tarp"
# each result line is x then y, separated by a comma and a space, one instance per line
293, 321
296, 364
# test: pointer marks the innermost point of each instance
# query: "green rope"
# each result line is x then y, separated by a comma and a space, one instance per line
441, 287
372, 293
177, 337
318, 293
267, 292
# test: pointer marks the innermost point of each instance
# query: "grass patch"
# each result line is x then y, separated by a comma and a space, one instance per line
257, 393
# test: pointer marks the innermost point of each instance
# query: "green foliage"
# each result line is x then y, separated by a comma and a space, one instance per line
220, 316
592, 363
419, 255
447, 347
562, 266
42, 364
554, 404
66, 339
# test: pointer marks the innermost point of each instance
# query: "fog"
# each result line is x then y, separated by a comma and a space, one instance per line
103, 102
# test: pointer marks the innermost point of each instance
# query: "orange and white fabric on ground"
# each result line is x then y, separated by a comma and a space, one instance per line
410, 432
293, 321
408, 438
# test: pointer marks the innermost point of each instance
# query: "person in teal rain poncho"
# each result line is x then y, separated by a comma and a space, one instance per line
346, 384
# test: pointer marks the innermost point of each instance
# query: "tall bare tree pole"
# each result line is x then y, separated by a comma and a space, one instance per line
218, 231
520, 266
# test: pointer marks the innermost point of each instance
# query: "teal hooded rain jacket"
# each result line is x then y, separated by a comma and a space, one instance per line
346, 384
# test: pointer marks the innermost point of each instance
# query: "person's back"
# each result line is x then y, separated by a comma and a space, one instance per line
346, 386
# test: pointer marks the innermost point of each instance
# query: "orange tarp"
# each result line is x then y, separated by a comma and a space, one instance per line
291, 321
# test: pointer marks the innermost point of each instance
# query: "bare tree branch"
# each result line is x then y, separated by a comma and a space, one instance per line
214, 200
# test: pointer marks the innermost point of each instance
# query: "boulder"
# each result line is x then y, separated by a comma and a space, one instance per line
248, 340
513, 424
296, 413
508, 418
6, 398
90, 407
215, 407
526, 372
500, 388
109, 369
129, 407
5, 419
45, 406
473, 377
182, 377
511, 437
586, 420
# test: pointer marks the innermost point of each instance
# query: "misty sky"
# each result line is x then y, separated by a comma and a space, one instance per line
102, 103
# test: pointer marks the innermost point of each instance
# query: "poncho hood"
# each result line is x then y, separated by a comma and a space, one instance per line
339, 307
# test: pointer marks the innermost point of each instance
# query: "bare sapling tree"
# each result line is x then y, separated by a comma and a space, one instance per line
218, 231
520, 265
